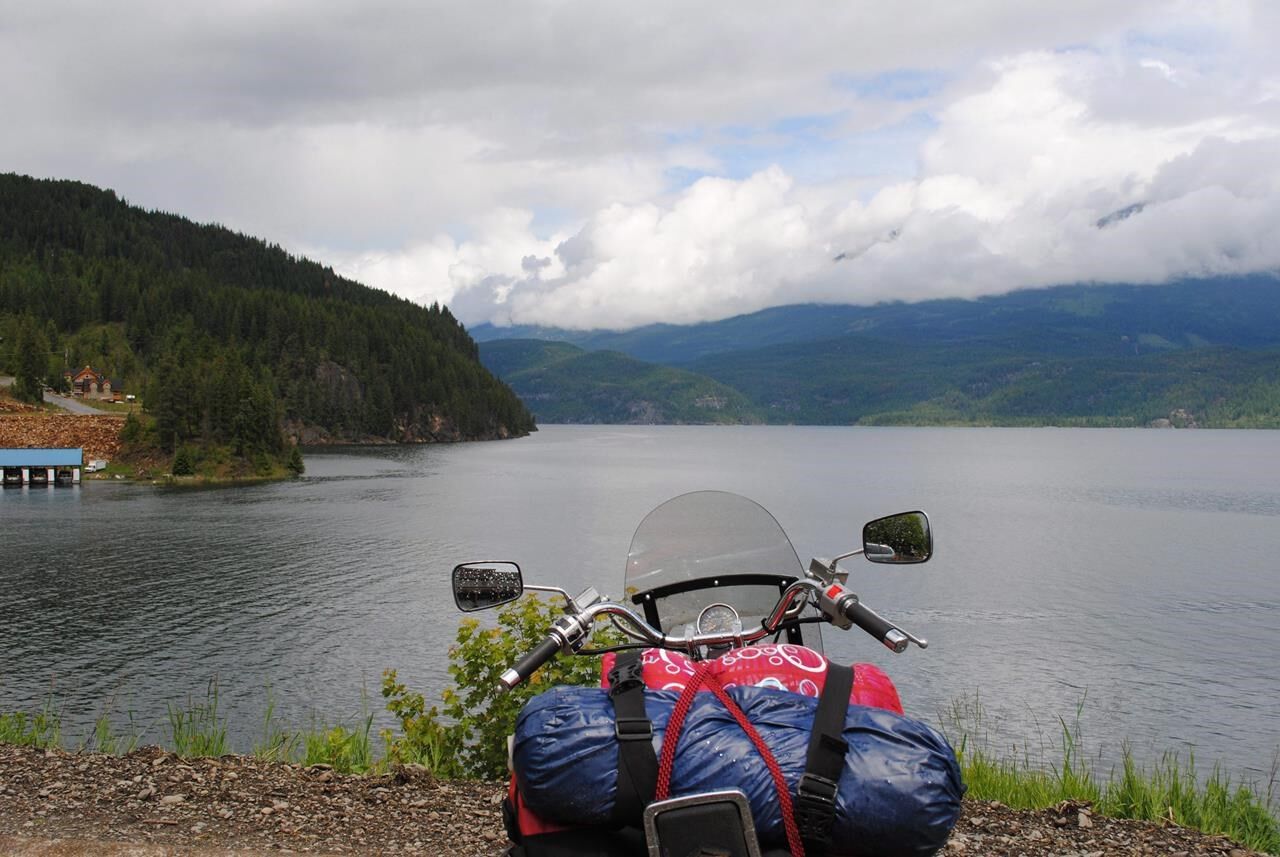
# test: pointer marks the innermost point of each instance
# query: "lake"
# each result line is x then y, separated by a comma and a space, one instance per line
1127, 574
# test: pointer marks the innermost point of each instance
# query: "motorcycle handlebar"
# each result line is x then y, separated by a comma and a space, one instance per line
877, 626
528, 665
569, 632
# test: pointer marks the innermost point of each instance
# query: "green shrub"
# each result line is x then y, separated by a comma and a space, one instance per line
480, 711
423, 739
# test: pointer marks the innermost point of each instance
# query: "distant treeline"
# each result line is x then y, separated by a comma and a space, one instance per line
224, 335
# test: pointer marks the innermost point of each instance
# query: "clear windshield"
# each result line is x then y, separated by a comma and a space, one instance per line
701, 538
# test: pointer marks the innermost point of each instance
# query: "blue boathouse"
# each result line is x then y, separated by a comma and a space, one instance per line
41, 466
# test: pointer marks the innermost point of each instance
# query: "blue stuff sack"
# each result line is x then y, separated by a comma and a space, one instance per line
900, 788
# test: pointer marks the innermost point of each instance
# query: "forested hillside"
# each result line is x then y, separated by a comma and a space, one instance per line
562, 383
227, 338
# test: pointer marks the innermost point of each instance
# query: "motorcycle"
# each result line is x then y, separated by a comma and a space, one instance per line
787, 754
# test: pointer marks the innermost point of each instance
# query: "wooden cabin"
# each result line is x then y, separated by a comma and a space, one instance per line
89, 383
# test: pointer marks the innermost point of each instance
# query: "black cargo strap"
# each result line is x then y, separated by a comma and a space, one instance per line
637, 762
815, 803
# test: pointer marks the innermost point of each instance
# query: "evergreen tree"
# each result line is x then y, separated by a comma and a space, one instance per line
182, 462
32, 355
295, 464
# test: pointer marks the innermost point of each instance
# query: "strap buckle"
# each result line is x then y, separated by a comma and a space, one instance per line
815, 807
633, 728
625, 677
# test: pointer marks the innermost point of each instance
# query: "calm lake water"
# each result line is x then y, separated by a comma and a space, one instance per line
1130, 574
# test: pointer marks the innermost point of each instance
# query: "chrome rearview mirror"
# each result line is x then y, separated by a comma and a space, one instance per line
481, 585
898, 539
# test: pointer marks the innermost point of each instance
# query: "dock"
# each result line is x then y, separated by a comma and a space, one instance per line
41, 466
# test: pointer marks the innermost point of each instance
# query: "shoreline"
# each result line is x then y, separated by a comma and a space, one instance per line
71, 804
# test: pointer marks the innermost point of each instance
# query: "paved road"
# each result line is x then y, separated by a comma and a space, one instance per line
74, 405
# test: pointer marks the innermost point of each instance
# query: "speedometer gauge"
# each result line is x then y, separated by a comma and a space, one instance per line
719, 619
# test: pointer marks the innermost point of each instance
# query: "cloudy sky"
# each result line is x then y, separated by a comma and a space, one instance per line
601, 164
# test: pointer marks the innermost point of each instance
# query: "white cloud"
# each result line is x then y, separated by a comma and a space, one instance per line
1013, 182
533, 162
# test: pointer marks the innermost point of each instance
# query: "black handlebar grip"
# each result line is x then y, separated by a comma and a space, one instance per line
528, 665
875, 625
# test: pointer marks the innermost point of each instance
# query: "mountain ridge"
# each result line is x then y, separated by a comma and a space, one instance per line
1204, 348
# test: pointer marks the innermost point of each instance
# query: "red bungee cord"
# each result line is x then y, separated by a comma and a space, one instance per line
666, 761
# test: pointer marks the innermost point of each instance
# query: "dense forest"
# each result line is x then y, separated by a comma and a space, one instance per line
227, 339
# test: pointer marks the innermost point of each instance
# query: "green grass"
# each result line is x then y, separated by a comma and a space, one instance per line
348, 750
106, 738
1215, 805
196, 729
42, 729
199, 729
1166, 791
114, 407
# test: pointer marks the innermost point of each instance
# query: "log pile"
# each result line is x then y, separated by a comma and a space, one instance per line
98, 435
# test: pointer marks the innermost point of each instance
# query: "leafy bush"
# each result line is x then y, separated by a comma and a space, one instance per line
481, 713
424, 740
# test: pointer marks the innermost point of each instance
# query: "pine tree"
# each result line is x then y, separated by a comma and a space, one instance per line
295, 464
32, 356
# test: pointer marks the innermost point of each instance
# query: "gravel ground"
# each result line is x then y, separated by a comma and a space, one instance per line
150, 802
234, 803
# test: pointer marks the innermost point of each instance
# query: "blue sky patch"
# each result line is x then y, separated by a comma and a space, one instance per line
812, 149
903, 84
